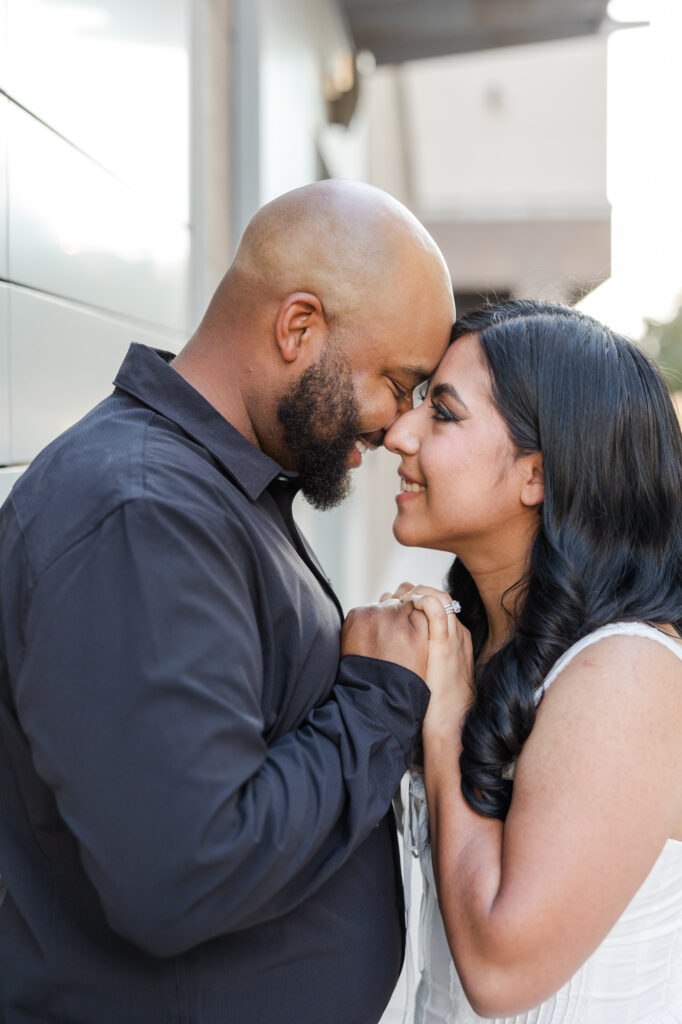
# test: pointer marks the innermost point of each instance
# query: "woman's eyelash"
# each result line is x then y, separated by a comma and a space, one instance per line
420, 392
445, 415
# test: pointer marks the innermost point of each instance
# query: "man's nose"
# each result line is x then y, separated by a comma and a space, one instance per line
403, 404
402, 435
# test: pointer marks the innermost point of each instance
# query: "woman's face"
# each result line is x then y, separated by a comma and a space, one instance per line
462, 482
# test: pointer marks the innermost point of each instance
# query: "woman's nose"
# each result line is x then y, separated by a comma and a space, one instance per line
402, 436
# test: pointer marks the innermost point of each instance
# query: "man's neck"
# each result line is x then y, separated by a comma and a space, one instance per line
222, 390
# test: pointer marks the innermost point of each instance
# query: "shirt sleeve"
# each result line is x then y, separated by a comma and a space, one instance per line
140, 693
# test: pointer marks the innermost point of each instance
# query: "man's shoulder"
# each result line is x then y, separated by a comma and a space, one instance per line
121, 451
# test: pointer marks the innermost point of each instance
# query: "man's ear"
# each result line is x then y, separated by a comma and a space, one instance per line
533, 487
300, 326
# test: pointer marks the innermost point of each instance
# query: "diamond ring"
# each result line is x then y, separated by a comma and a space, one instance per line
454, 608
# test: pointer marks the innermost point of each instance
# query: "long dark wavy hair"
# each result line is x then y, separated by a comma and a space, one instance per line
609, 543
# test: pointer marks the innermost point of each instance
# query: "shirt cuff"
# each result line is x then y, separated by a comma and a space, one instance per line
397, 696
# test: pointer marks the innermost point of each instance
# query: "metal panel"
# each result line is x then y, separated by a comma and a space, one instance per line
112, 76
4, 375
63, 361
8, 478
78, 232
3, 44
3, 184
246, 103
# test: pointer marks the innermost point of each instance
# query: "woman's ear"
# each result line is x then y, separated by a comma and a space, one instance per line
300, 326
533, 487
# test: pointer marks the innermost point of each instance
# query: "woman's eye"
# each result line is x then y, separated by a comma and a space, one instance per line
419, 393
442, 413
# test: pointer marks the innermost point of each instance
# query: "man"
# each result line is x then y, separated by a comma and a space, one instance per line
193, 790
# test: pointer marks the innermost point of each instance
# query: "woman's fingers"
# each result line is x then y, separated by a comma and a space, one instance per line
404, 588
434, 610
423, 591
406, 591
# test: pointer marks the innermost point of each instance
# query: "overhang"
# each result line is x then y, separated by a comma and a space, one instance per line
399, 30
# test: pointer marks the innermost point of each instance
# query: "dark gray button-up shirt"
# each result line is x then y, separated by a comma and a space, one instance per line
193, 791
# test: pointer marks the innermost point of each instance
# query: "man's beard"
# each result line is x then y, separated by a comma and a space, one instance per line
321, 422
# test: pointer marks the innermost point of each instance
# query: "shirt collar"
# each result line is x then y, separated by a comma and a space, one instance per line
146, 375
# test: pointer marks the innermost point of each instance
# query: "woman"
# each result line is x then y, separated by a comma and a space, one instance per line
548, 458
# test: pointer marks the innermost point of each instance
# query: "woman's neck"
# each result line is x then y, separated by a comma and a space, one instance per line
492, 586
497, 569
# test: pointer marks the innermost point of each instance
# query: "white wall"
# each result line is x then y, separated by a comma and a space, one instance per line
4, 373
299, 43
502, 154
94, 148
518, 130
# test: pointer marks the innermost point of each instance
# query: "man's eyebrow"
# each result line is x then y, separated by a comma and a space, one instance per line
448, 389
417, 373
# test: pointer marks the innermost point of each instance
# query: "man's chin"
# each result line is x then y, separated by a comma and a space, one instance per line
326, 493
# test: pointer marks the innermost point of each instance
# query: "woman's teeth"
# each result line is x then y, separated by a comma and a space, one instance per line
413, 488
361, 446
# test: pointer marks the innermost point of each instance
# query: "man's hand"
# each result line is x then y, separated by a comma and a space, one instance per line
391, 631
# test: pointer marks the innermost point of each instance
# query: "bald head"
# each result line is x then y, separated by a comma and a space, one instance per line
344, 241
337, 299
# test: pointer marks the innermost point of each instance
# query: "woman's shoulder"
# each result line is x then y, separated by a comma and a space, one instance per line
617, 641
607, 734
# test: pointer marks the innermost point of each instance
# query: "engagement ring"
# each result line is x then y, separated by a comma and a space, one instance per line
454, 608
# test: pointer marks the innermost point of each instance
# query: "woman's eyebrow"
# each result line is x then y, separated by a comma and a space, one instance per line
448, 389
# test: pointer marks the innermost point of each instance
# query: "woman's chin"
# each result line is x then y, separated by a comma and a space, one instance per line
407, 537
411, 538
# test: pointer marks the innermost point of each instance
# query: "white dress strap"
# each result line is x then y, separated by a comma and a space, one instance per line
613, 629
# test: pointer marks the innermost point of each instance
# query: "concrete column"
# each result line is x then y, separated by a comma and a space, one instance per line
212, 173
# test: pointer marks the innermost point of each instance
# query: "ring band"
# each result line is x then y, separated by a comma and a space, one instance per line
454, 608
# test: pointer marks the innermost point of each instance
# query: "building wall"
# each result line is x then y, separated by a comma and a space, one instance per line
503, 156
301, 43
94, 202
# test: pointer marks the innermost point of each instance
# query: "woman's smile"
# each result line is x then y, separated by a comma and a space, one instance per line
409, 488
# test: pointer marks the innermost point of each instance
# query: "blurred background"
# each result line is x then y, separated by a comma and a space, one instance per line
538, 140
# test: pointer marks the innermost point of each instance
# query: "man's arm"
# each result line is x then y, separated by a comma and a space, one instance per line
140, 694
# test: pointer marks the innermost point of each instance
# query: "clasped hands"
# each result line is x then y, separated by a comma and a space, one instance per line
410, 627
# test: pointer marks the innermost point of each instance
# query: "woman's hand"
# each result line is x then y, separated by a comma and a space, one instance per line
449, 667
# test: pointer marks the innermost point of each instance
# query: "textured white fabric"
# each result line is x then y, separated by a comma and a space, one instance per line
635, 975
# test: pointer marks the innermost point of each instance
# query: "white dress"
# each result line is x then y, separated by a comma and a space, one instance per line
633, 977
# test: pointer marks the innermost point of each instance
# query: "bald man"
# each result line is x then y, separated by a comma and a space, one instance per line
193, 788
